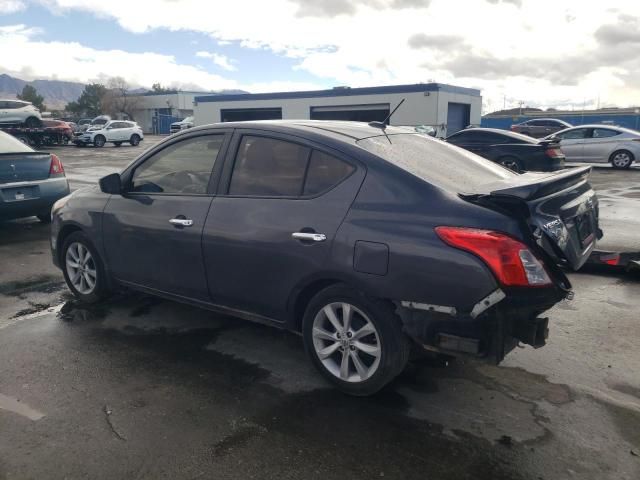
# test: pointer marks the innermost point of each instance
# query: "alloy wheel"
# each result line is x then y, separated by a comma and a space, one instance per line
621, 160
81, 268
511, 165
346, 342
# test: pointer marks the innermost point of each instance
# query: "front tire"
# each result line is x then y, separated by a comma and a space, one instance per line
99, 141
83, 269
134, 140
356, 342
621, 159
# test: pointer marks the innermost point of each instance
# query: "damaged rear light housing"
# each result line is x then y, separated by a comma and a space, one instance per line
511, 261
554, 152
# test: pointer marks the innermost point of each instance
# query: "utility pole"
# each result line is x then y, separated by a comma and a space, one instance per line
521, 103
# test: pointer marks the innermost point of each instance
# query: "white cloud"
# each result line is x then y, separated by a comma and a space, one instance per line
71, 61
362, 43
11, 6
220, 60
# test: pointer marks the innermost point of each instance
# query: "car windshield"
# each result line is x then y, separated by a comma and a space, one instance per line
9, 144
444, 165
188, 120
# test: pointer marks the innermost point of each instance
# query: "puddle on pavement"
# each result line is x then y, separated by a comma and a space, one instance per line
14, 405
38, 284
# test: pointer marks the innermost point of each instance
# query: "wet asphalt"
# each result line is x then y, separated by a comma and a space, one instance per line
140, 387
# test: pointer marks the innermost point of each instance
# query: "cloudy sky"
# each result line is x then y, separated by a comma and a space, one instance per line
560, 53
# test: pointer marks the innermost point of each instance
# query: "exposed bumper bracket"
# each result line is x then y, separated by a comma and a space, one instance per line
429, 308
487, 302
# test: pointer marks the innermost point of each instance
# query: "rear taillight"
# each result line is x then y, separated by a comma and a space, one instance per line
513, 127
511, 261
56, 169
554, 153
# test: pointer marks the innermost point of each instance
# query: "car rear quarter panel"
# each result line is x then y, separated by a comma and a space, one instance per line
396, 209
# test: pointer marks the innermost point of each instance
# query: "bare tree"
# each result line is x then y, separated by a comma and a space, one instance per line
118, 100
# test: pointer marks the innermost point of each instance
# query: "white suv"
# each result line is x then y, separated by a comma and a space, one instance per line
114, 131
20, 112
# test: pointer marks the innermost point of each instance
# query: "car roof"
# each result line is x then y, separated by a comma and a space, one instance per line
353, 130
505, 133
604, 125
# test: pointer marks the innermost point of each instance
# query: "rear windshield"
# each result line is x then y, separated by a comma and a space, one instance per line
439, 163
9, 144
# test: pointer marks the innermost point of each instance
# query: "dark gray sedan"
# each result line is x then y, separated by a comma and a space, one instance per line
30, 181
370, 242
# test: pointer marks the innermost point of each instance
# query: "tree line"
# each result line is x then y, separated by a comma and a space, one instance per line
112, 99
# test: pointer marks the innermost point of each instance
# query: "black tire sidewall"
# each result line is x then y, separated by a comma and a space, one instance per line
95, 143
395, 346
134, 140
621, 151
101, 290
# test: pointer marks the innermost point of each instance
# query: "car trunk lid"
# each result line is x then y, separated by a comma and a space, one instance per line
24, 166
561, 210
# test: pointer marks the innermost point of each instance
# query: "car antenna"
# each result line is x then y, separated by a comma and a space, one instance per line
383, 124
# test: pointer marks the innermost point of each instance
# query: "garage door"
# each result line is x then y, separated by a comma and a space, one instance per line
458, 117
355, 113
246, 114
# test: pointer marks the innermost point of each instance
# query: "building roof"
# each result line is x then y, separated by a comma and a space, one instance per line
341, 92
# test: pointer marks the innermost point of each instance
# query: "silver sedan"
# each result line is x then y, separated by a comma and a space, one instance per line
600, 144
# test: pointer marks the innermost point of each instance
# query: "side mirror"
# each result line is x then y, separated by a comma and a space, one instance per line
111, 184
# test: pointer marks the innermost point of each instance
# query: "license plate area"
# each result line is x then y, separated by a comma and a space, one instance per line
584, 227
20, 194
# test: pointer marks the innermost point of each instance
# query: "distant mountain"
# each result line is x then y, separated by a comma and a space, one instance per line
56, 93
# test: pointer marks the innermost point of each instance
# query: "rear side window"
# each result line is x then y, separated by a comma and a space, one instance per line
576, 134
604, 133
436, 162
181, 168
324, 172
269, 167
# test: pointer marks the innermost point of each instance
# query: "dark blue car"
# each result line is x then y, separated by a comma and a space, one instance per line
371, 242
30, 181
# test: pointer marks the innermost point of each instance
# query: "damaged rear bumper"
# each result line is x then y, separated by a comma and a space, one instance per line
491, 329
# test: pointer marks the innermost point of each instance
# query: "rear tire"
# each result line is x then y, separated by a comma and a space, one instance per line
512, 163
87, 280
99, 141
134, 140
33, 122
621, 159
371, 339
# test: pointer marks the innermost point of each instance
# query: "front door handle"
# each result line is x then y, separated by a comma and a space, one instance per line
181, 222
312, 237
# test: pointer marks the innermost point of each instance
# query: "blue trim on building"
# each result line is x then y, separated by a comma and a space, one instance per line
341, 92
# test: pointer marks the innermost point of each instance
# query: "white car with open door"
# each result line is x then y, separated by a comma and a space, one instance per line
114, 131
600, 144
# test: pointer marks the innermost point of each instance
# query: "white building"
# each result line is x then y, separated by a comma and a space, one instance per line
159, 110
446, 107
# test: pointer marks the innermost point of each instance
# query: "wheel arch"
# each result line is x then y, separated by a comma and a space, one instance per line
305, 291
62, 236
620, 150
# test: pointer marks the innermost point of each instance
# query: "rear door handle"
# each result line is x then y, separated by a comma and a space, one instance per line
181, 222
312, 237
